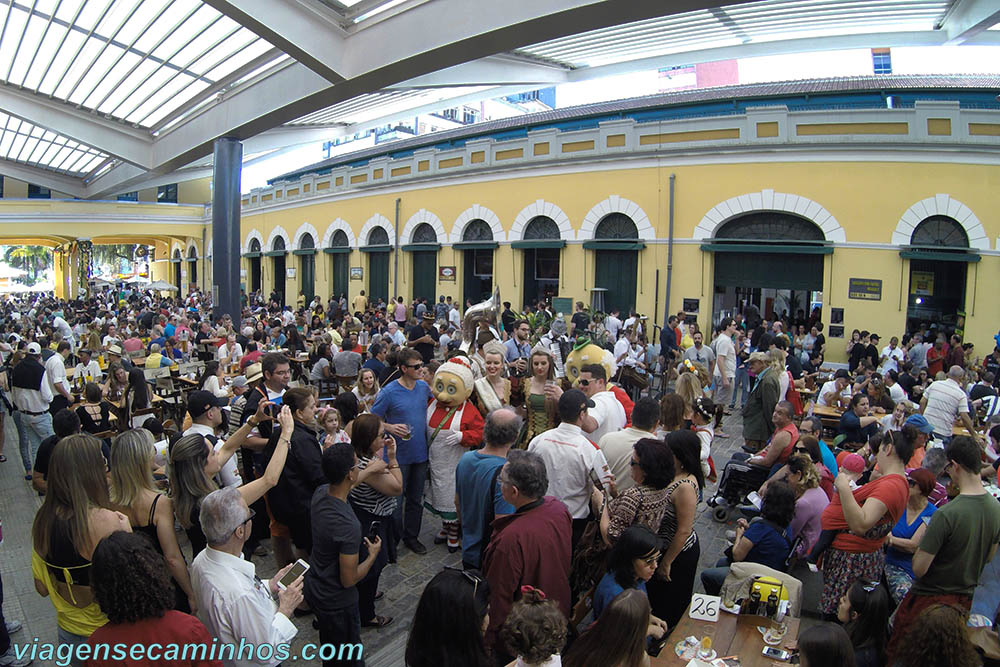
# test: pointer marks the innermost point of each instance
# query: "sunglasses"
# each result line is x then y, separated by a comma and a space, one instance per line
584, 383
801, 450
248, 520
413, 366
472, 578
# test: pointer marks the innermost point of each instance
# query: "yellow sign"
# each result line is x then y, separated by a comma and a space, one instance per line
922, 283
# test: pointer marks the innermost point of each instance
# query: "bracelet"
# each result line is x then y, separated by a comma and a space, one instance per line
253, 424
287, 442
391, 467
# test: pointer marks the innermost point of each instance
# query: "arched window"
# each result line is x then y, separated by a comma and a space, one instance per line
616, 226
541, 227
279, 243
940, 230
192, 253
307, 243
477, 230
378, 236
254, 245
177, 253
424, 233
339, 239
772, 226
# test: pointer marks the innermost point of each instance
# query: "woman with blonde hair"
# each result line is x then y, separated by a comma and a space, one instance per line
541, 396
366, 389
493, 358
689, 388
134, 493
75, 515
114, 386
194, 463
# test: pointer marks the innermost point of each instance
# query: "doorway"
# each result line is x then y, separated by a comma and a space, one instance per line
542, 247
477, 249
307, 267
278, 253
939, 264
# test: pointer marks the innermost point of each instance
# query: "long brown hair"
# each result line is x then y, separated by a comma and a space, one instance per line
77, 482
618, 639
188, 481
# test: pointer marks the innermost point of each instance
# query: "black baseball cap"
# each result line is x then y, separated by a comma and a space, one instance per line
841, 373
200, 402
574, 400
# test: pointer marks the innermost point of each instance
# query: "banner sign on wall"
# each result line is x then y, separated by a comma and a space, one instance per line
867, 289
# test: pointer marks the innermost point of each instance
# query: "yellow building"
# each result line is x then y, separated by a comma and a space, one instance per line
882, 217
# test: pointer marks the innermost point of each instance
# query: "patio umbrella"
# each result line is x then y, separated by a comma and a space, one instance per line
161, 286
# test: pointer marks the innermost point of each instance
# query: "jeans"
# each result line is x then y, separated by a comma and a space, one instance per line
31, 430
712, 578
70, 639
414, 477
743, 384
339, 628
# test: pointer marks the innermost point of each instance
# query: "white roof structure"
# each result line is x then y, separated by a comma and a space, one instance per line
105, 96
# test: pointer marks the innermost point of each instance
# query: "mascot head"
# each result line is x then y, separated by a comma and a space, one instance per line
453, 382
584, 353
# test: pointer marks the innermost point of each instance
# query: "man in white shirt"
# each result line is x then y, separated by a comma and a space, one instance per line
397, 336
32, 396
892, 356
62, 326
608, 414
55, 371
836, 393
617, 446
230, 352
88, 368
235, 605
725, 363
453, 316
612, 324
206, 410
569, 457
944, 401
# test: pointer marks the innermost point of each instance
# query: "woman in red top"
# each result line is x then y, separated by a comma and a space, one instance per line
133, 587
863, 518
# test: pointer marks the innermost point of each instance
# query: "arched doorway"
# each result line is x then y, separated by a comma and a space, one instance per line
617, 245
477, 247
192, 263
378, 250
542, 247
770, 259
177, 260
307, 267
423, 251
254, 257
939, 257
340, 252
277, 254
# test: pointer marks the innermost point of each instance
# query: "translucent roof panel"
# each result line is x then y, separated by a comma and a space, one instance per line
739, 24
133, 60
366, 107
20, 141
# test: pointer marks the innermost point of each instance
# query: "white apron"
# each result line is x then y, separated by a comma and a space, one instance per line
443, 460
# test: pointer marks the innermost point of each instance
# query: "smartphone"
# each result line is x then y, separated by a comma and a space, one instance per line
655, 647
297, 571
776, 653
373, 530
755, 498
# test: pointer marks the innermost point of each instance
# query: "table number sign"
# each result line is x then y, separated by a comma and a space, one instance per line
705, 607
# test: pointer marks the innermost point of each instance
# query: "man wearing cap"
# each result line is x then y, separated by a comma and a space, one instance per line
207, 416
569, 457
115, 353
32, 396
757, 424
836, 393
424, 338
944, 401
919, 433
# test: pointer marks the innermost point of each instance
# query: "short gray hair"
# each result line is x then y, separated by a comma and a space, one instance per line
154, 348
526, 471
503, 425
222, 512
935, 460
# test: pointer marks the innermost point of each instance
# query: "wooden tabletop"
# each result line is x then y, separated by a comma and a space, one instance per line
731, 635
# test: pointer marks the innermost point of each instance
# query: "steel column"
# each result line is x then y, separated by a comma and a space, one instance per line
228, 164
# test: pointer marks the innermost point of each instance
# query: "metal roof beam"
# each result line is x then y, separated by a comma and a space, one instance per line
43, 177
126, 143
500, 70
968, 18
307, 33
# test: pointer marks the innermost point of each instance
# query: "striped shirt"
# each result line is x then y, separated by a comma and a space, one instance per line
668, 527
368, 499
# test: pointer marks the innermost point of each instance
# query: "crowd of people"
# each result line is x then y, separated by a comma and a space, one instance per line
572, 497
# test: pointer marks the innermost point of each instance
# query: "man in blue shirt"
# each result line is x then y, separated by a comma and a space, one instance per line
376, 361
402, 404
476, 475
812, 425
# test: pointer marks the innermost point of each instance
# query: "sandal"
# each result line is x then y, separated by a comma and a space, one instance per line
377, 622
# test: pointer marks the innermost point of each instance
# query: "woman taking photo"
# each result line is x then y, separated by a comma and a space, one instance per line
134, 493
134, 590
194, 463
291, 499
618, 638
75, 515
366, 389
373, 501
449, 622
671, 588
863, 518
541, 396
905, 537
864, 611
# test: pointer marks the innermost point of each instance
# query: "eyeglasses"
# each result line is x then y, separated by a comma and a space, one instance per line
248, 520
413, 366
475, 580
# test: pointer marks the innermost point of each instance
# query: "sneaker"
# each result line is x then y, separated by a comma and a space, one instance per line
9, 659
13, 626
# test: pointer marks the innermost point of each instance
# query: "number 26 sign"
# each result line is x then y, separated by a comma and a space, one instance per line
704, 607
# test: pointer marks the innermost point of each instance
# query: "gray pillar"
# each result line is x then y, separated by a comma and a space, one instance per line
226, 171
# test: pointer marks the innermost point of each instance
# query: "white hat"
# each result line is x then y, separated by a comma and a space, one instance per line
461, 367
34, 348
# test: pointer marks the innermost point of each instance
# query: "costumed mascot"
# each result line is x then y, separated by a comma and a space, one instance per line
455, 426
585, 353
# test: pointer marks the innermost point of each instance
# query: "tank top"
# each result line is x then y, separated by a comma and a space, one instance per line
63, 560
668, 525
149, 530
368, 498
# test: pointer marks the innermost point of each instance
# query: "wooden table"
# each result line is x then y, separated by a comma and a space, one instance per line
731, 635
